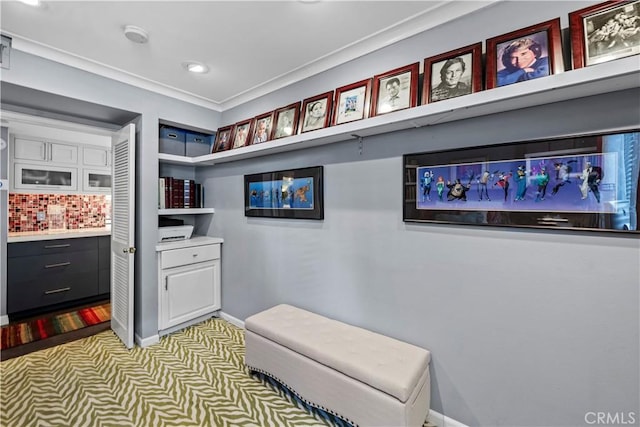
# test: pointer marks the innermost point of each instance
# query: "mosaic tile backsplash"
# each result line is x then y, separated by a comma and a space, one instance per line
40, 212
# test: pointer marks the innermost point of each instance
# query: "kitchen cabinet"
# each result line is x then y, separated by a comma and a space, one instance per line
96, 181
31, 176
96, 156
189, 281
24, 148
38, 166
46, 274
104, 265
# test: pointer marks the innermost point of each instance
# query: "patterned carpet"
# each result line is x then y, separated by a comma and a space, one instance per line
195, 377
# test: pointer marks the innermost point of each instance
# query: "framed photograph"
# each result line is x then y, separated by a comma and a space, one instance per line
587, 182
526, 54
452, 74
241, 132
223, 139
352, 102
286, 120
395, 90
261, 128
316, 112
605, 32
295, 193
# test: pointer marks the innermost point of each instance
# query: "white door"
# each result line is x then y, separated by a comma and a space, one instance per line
122, 233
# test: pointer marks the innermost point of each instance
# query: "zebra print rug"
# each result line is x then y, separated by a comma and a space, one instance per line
195, 377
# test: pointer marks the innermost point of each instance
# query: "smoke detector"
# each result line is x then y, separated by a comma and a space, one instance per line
136, 34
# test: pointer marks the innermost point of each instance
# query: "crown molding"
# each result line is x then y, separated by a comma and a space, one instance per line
437, 14
104, 70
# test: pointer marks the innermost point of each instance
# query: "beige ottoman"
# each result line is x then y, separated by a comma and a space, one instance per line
366, 378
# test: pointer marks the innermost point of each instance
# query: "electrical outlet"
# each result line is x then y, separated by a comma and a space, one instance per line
40, 216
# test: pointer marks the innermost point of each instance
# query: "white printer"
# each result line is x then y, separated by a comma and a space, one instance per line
177, 232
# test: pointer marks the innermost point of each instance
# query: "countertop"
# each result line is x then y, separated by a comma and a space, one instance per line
31, 236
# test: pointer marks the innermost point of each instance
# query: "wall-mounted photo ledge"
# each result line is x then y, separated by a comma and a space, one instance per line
602, 78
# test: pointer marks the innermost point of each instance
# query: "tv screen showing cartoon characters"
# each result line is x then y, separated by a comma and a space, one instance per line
582, 182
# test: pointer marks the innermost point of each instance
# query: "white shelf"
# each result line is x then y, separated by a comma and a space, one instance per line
601, 78
186, 211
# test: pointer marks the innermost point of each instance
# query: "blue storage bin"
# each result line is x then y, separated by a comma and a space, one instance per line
197, 144
172, 141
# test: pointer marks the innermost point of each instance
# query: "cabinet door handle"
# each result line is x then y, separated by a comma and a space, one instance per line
57, 246
60, 264
56, 291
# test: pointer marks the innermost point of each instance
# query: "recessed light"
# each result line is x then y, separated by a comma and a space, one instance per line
195, 67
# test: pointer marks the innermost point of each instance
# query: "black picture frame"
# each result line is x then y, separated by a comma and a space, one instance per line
585, 182
293, 193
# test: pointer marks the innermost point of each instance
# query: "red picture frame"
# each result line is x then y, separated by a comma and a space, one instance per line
452, 74
261, 130
540, 42
285, 121
395, 90
594, 39
241, 132
224, 137
352, 102
316, 112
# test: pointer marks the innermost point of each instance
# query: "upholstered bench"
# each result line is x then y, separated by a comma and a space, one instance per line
363, 377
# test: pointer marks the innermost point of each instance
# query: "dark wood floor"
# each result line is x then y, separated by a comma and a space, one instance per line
21, 350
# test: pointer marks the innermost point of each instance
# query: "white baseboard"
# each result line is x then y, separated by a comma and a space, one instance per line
440, 420
146, 342
4, 320
234, 321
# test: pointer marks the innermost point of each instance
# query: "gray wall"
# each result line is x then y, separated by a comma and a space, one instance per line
33, 72
526, 327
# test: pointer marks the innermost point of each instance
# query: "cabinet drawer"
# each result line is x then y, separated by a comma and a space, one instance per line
50, 267
43, 247
185, 256
38, 293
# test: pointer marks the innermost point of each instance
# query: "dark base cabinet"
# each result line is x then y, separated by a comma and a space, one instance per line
104, 264
52, 273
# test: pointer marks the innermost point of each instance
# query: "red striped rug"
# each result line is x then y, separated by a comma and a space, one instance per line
22, 333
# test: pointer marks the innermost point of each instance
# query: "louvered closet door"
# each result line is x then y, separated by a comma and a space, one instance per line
122, 234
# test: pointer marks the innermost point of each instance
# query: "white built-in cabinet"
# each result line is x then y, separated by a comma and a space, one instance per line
33, 149
98, 157
38, 165
188, 281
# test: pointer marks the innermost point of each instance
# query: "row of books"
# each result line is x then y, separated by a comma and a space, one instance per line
174, 193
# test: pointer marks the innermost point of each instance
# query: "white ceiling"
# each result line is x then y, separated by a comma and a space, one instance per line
251, 47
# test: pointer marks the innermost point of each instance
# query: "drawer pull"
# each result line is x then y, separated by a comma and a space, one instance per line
56, 291
195, 255
60, 264
57, 246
